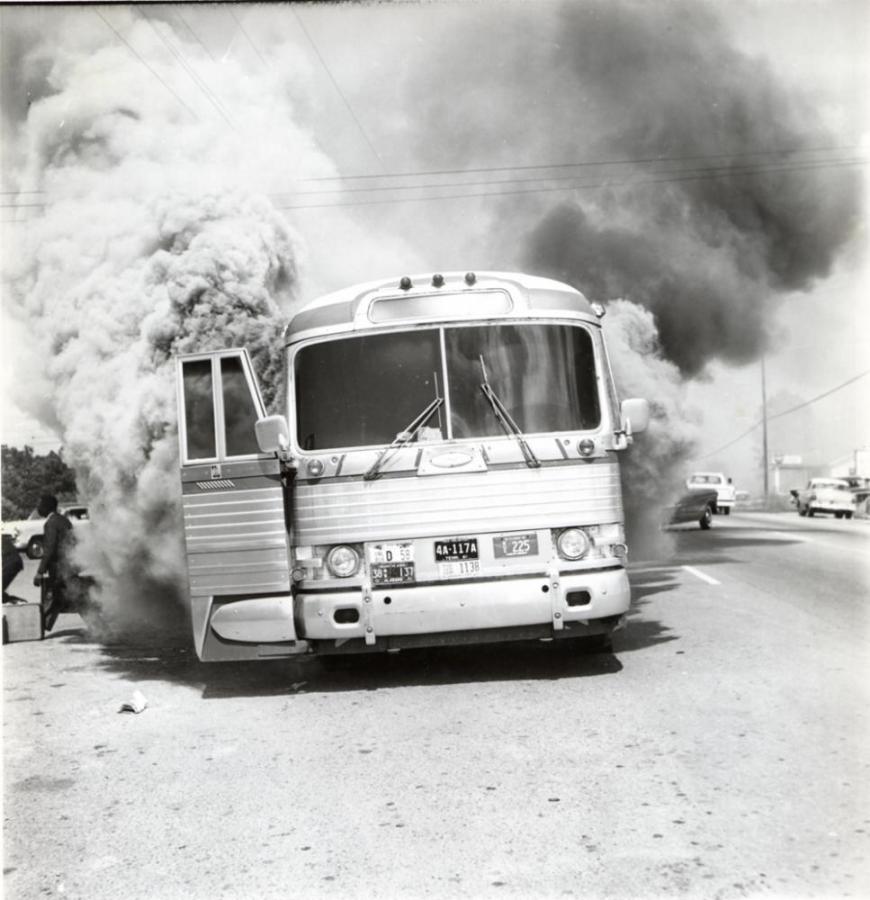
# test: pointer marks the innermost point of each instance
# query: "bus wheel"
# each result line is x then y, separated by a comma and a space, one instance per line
810, 511
706, 519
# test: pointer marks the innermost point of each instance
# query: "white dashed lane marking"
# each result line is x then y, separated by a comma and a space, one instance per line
702, 575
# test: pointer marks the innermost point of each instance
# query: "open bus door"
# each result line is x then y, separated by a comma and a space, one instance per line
235, 519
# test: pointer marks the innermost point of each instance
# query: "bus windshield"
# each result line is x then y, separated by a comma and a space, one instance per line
362, 390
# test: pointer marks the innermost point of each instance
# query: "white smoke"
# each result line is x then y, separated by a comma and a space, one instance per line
653, 468
157, 238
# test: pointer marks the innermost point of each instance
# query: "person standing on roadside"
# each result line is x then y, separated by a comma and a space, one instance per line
12, 564
54, 565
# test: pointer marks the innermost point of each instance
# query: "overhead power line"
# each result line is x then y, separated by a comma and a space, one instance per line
711, 171
189, 70
708, 174
631, 161
142, 60
563, 165
567, 184
335, 84
786, 412
247, 37
196, 37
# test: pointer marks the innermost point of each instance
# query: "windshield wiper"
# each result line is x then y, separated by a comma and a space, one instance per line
505, 420
403, 437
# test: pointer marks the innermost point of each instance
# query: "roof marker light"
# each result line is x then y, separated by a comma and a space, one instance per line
406, 283
437, 281
598, 309
470, 278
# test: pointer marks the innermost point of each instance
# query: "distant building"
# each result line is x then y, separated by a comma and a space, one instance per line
790, 472
855, 463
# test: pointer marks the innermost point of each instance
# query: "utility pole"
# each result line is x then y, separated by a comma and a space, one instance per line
764, 427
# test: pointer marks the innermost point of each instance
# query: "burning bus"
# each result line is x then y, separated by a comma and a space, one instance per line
445, 470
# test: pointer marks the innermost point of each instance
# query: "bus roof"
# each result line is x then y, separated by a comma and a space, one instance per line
451, 296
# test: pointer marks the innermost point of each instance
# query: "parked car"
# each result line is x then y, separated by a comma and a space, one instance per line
696, 505
726, 494
27, 533
828, 495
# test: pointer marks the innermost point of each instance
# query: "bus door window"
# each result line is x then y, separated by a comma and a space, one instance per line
199, 418
240, 409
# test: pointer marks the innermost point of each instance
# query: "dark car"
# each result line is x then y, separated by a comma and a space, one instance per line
696, 506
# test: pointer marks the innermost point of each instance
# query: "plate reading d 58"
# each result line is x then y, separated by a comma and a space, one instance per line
390, 554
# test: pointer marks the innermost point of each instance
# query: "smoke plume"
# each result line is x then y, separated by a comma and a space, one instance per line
723, 214
702, 193
720, 218
159, 235
652, 467
156, 239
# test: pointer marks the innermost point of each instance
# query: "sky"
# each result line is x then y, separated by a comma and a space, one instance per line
168, 170
416, 87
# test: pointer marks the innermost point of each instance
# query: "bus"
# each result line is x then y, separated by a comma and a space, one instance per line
444, 471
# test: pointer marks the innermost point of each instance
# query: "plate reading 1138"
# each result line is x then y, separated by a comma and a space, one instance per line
457, 557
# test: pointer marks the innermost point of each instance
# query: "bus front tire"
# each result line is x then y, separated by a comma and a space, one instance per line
597, 643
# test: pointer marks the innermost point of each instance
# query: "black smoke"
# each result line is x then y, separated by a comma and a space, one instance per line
730, 203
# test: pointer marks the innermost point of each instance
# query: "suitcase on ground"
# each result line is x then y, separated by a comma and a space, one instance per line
22, 622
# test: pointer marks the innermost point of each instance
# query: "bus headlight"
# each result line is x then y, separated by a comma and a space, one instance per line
572, 543
342, 561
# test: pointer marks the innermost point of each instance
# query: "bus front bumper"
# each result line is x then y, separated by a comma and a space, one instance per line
577, 602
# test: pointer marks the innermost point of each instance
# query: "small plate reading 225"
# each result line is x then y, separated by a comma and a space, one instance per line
515, 545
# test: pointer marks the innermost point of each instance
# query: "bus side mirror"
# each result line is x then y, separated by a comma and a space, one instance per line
635, 415
273, 434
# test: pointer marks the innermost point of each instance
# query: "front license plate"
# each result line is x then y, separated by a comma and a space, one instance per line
387, 573
515, 545
455, 550
460, 569
391, 554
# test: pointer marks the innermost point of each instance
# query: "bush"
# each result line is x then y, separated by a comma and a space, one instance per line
26, 476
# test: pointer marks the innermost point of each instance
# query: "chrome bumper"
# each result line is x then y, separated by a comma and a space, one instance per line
473, 605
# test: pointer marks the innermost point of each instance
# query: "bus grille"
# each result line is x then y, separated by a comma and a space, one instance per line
474, 502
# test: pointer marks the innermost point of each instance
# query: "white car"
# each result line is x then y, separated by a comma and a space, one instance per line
828, 495
726, 493
27, 533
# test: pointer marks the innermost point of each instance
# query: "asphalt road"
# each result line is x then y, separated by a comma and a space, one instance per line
722, 751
